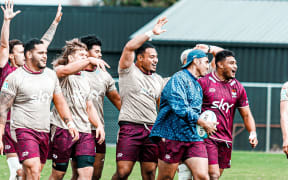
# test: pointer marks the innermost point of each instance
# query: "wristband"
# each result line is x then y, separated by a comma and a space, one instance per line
252, 135
70, 124
149, 34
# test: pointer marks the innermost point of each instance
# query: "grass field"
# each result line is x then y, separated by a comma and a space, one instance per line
245, 166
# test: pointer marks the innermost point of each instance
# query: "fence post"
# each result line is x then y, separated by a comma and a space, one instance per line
268, 118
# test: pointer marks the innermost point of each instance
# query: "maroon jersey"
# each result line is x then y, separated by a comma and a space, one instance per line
4, 72
222, 98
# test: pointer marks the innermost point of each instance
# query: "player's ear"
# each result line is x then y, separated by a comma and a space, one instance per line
140, 57
220, 65
11, 56
197, 61
70, 58
29, 54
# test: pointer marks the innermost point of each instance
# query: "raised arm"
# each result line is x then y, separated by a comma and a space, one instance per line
209, 49
9, 14
128, 55
76, 66
95, 121
6, 101
48, 36
65, 114
249, 123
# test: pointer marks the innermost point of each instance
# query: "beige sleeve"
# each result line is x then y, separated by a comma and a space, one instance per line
284, 92
57, 88
127, 70
10, 85
110, 84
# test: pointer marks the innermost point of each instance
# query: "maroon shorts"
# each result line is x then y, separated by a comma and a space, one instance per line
62, 148
172, 151
9, 143
31, 144
134, 144
219, 153
100, 148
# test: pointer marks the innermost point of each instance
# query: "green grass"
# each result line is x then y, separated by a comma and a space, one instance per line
245, 166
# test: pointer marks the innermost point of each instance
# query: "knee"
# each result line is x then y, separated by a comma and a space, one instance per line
203, 176
214, 175
20, 172
150, 173
35, 171
58, 175
123, 173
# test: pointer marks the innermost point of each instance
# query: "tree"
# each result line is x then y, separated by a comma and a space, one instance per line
142, 3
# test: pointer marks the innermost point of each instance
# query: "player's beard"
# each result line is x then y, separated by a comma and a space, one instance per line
227, 75
41, 66
150, 71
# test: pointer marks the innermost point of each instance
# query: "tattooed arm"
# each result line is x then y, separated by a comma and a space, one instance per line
6, 101
48, 36
64, 112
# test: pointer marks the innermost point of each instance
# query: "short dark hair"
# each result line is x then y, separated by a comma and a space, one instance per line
13, 43
144, 46
90, 41
31, 44
220, 56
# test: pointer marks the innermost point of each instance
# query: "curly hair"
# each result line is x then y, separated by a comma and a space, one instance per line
71, 47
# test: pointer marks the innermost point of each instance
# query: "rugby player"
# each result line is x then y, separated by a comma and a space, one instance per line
102, 84
183, 171
77, 92
140, 88
222, 94
29, 91
284, 116
175, 127
12, 57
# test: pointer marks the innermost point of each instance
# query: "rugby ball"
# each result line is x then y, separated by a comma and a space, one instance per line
207, 115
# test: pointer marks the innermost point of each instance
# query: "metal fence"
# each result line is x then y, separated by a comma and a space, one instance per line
271, 111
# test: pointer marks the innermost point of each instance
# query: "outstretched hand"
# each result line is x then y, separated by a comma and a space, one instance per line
58, 14
8, 10
157, 30
202, 47
99, 63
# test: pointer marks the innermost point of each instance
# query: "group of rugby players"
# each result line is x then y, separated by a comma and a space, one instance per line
74, 128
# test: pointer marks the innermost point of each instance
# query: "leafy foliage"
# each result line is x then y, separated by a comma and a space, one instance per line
142, 3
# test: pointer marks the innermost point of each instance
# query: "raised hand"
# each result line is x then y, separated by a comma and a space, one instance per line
8, 10
157, 30
99, 63
58, 14
202, 47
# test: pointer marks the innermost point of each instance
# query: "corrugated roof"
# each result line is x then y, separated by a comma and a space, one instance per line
238, 21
